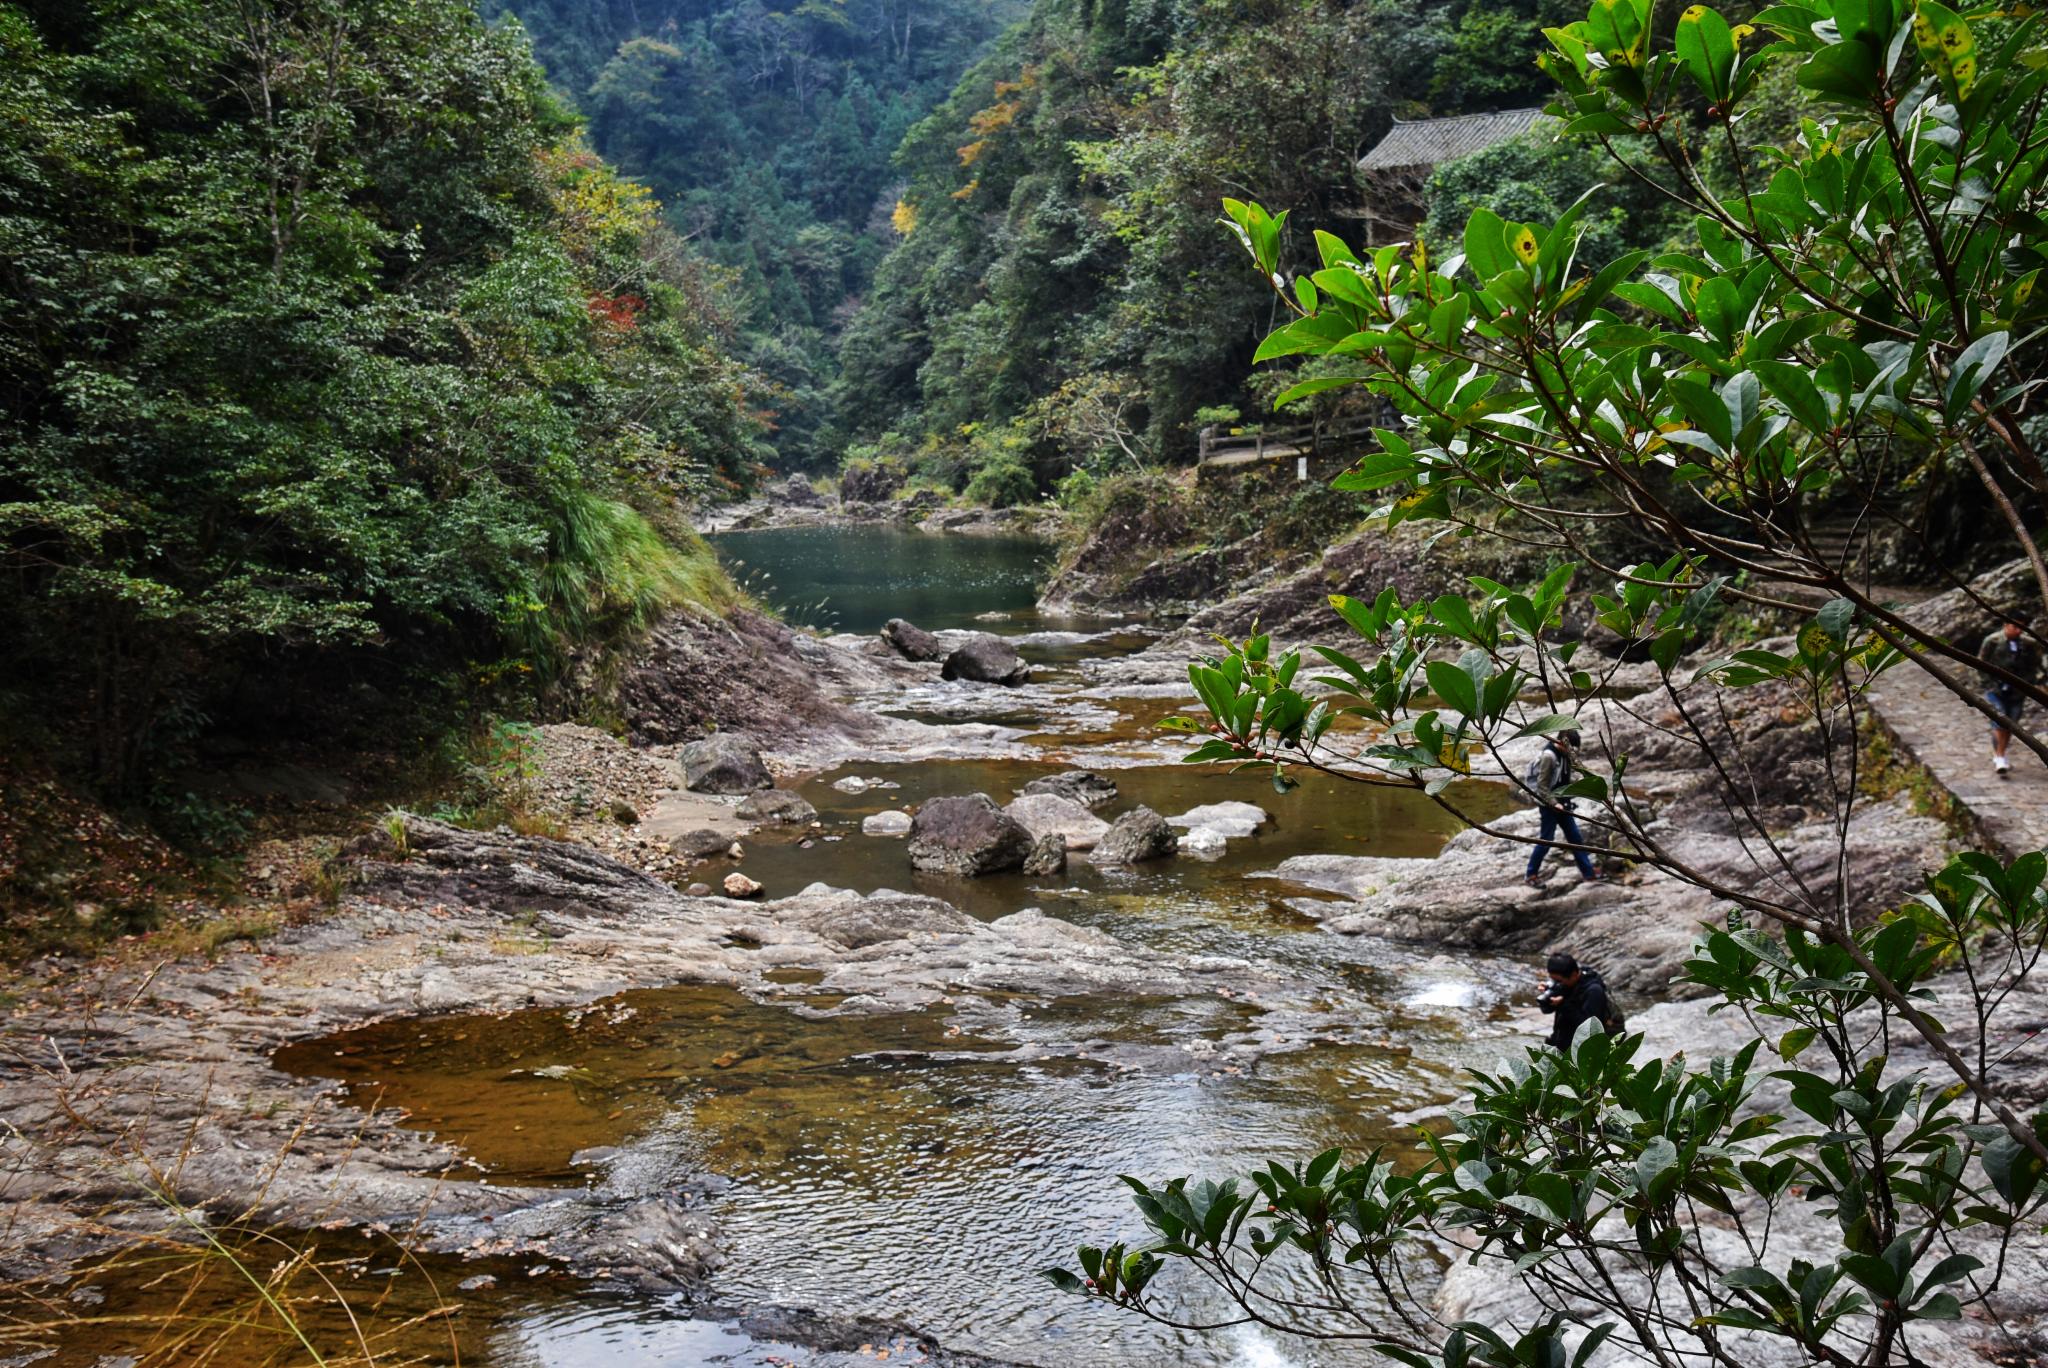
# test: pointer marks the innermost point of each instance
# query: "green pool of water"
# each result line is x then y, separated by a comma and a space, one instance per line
854, 579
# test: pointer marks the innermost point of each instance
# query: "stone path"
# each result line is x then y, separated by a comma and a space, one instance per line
1954, 742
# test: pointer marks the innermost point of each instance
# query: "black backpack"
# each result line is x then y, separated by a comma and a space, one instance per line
1616, 1020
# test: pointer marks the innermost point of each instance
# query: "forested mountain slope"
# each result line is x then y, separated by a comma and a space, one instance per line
1064, 297
768, 131
337, 374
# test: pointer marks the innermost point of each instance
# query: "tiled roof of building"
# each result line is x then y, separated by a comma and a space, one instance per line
1426, 142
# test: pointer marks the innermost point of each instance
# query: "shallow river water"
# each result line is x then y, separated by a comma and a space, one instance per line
920, 1166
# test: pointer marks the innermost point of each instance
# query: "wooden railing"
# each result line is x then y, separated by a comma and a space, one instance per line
1308, 439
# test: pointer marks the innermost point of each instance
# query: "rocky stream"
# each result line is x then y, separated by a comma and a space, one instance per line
735, 1081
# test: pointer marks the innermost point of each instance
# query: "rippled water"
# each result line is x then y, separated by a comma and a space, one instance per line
917, 1166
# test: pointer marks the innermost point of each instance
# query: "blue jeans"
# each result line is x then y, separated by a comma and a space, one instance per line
1553, 819
2007, 708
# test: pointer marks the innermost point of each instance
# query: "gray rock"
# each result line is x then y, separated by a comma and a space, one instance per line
797, 491
1048, 856
869, 482
1204, 843
888, 823
701, 844
777, 806
911, 641
723, 764
1046, 814
967, 836
1086, 787
986, 659
1140, 834
1229, 820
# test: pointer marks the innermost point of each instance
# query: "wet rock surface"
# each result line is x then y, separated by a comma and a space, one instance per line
1089, 789
1047, 856
1140, 834
778, 807
430, 926
1048, 814
888, 822
967, 836
1639, 927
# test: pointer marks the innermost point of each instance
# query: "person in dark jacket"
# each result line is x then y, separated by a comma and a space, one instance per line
1550, 771
2009, 649
1573, 996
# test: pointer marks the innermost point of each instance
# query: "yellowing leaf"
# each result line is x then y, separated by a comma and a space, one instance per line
1525, 246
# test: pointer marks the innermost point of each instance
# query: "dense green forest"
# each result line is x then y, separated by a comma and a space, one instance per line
1001, 277
336, 370
769, 133
1064, 298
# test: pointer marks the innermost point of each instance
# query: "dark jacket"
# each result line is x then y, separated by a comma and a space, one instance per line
2018, 655
1584, 1001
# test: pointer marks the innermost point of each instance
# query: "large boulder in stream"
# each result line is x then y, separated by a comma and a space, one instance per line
1140, 834
986, 659
967, 836
1048, 814
911, 641
1086, 787
723, 764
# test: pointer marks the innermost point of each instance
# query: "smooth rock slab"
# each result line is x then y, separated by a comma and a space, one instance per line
723, 764
1140, 834
1229, 820
701, 844
778, 806
889, 823
1046, 814
1086, 787
967, 836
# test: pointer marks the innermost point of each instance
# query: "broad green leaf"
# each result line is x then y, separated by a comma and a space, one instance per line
1847, 71
1707, 48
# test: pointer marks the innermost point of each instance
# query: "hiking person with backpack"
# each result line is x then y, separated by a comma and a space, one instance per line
2008, 648
1550, 771
1572, 996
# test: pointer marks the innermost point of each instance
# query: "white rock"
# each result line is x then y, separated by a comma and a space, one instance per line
1048, 814
1203, 843
852, 783
886, 823
1230, 820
